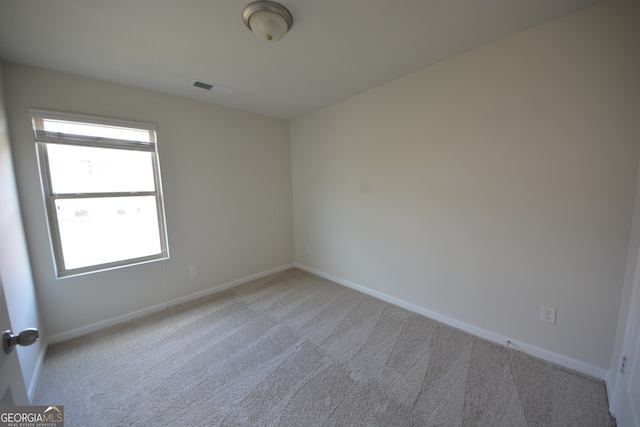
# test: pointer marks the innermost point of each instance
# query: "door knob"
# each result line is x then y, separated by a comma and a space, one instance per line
24, 338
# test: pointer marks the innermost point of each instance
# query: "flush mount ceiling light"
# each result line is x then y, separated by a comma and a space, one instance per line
267, 19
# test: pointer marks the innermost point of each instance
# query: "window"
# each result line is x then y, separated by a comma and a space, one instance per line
102, 191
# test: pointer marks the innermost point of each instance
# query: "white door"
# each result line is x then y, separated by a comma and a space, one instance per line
627, 411
625, 396
12, 389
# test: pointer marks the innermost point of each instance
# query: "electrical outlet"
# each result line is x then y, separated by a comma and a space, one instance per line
194, 271
306, 250
548, 314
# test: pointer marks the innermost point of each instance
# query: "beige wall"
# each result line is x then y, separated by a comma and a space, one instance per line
227, 190
488, 185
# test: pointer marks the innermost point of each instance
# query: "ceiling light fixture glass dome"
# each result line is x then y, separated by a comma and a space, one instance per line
267, 19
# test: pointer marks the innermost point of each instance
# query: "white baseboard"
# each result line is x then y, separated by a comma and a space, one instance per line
610, 394
36, 372
83, 330
531, 349
550, 356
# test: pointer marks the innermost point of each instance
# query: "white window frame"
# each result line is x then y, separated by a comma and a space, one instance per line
43, 138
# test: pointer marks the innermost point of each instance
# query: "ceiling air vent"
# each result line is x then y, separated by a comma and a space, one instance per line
218, 90
202, 85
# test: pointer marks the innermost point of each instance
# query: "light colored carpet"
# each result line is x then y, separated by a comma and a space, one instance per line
293, 349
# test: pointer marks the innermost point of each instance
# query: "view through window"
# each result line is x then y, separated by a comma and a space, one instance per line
101, 185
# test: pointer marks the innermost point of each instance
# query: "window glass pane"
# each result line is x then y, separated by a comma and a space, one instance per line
77, 169
96, 130
96, 231
82, 166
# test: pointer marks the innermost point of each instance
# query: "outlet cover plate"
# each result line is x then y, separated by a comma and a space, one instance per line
548, 314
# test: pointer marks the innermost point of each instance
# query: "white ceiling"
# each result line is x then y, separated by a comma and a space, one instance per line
335, 49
